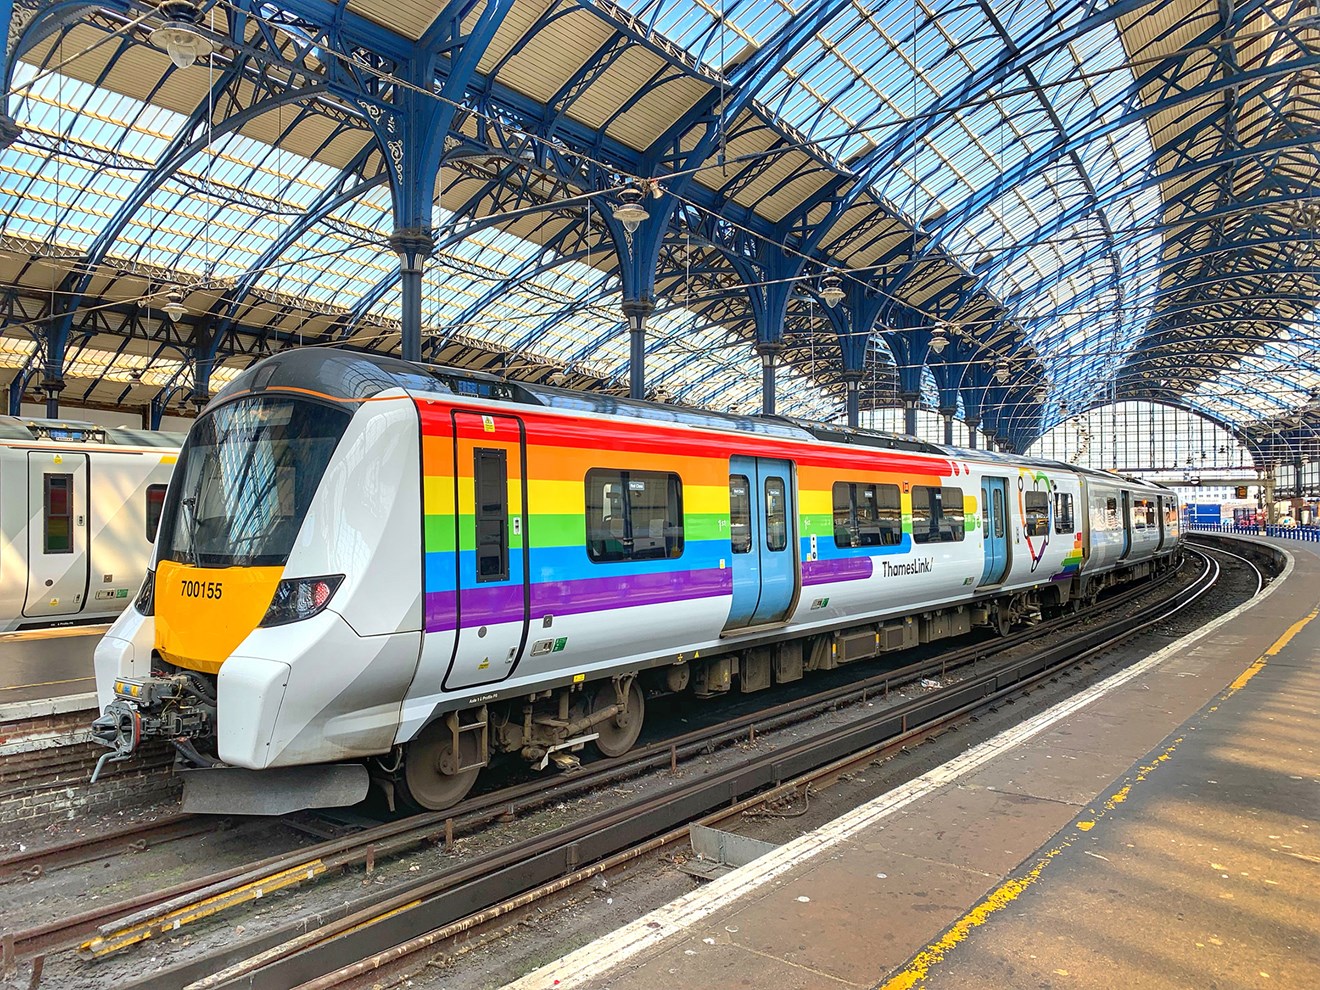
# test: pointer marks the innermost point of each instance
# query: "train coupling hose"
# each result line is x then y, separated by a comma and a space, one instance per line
119, 728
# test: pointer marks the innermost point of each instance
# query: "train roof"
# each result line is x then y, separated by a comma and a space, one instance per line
25, 429
355, 376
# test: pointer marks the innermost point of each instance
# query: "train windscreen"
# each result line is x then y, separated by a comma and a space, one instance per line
245, 479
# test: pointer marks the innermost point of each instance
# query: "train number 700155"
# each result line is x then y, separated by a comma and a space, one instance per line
203, 589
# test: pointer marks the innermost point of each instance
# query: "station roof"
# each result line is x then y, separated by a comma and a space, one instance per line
1099, 202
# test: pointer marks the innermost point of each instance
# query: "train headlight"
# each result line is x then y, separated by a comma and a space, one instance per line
145, 602
300, 598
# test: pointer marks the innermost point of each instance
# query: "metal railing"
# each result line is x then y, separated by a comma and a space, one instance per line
1309, 534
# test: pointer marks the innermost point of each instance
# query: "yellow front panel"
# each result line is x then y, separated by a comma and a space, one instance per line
203, 613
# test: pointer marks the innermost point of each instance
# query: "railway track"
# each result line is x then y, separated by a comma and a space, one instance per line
487, 885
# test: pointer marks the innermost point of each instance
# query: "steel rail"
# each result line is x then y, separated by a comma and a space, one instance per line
34, 863
374, 923
115, 926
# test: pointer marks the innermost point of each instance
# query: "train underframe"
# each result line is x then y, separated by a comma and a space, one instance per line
439, 765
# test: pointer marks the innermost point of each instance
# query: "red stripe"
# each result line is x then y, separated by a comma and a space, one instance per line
646, 437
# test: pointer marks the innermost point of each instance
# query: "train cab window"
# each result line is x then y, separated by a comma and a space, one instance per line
867, 515
937, 514
155, 506
1037, 508
776, 515
490, 476
1111, 513
740, 513
58, 513
1063, 513
633, 515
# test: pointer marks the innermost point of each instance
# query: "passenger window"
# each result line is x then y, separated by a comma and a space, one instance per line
937, 514
1111, 513
740, 513
490, 476
866, 515
633, 515
155, 506
776, 515
999, 514
1063, 513
58, 512
1037, 507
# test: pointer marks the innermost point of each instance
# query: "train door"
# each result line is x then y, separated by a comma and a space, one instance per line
493, 593
1125, 520
57, 534
1159, 521
763, 514
994, 523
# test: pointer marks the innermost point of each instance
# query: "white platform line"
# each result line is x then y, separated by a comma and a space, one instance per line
592, 962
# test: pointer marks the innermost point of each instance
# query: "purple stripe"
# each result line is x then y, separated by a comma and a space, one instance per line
503, 603
838, 569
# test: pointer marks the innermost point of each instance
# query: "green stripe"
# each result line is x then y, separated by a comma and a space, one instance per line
551, 530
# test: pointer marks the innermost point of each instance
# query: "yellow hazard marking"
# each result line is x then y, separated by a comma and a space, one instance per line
111, 940
379, 918
58, 633
41, 684
919, 967
1273, 651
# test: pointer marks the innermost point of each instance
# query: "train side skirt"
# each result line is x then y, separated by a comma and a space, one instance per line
278, 791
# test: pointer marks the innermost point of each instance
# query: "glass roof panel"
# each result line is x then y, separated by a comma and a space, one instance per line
877, 66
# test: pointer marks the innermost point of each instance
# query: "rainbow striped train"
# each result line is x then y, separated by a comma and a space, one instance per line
369, 568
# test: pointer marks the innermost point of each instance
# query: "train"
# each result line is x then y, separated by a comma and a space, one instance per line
79, 506
375, 570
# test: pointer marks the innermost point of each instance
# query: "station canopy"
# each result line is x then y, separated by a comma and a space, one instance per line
1077, 203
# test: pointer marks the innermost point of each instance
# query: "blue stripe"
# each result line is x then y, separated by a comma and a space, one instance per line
571, 564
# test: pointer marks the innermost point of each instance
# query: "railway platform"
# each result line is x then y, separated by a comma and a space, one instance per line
45, 671
1157, 830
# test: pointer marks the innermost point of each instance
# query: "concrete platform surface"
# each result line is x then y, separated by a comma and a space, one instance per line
1157, 830
42, 664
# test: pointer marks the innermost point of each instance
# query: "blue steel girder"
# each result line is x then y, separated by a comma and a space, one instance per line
1252, 208
1257, 79
1056, 30
195, 136
1120, 187
770, 280
351, 184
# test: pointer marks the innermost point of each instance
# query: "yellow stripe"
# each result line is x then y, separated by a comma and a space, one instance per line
919, 967
813, 502
1260, 661
438, 495
38, 684
111, 942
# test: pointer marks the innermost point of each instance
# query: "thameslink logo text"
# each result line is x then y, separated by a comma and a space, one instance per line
923, 566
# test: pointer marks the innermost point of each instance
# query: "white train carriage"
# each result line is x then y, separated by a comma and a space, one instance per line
79, 507
363, 558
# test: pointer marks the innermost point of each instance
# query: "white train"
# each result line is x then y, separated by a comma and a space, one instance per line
79, 505
374, 567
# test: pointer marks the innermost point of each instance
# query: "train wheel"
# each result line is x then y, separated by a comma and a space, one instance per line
618, 734
430, 773
1003, 618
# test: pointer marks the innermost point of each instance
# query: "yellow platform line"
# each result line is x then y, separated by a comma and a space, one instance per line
919, 967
